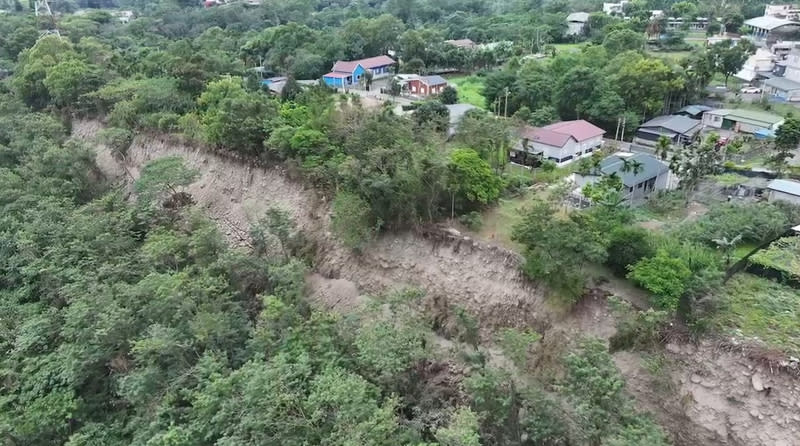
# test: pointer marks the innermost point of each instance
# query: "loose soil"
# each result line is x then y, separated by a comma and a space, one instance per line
708, 399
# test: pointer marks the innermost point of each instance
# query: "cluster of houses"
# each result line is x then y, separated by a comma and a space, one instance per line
567, 141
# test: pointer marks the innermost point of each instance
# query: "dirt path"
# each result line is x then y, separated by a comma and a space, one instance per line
720, 407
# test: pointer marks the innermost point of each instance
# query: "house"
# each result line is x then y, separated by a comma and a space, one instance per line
744, 121
784, 190
346, 73
614, 8
694, 111
783, 88
678, 129
790, 12
425, 85
576, 23
641, 174
466, 44
561, 142
767, 30
124, 16
758, 65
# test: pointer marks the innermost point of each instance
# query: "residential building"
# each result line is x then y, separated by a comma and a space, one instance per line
758, 65
694, 111
784, 190
783, 88
466, 44
768, 30
641, 174
791, 12
347, 73
425, 85
561, 142
576, 23
615, 8
677, 128
744, 121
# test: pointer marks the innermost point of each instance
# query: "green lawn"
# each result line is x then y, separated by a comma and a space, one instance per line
671, 56
470, 89
568, 47
761, 309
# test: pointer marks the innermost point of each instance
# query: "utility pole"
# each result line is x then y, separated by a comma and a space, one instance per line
616, 133
624, 121
505, 113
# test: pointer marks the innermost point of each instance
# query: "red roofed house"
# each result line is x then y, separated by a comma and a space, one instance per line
426, 85
346, 73
561, 142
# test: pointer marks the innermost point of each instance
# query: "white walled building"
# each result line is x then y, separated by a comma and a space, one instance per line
561, 142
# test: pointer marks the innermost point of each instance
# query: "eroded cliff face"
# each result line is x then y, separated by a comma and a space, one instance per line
702, 394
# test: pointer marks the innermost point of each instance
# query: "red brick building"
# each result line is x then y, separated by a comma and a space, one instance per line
426, 85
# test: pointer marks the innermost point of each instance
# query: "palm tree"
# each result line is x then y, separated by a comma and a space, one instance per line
633, 166
726, 246
662, 147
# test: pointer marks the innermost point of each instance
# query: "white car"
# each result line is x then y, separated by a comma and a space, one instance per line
750, 90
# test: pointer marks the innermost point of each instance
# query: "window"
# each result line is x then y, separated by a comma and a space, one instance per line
589, 150
567, 158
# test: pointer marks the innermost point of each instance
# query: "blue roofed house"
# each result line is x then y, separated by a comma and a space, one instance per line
347, 73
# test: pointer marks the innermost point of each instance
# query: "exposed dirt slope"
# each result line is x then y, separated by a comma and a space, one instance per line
703, 397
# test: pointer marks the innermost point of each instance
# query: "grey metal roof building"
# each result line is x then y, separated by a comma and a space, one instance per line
650, 167
679, 129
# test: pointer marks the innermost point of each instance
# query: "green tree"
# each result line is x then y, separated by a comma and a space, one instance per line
622, 40
449, 95
461, 431
432, 114
787, 138
352, 221
233, 117
164, 176
67, 81
556, 249
470, 180
729, 58
626, 246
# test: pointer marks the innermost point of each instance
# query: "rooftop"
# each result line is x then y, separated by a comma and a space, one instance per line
676, 123
558, 134
348, 66
785, 186
695, 109
581, 17
433, 80
781, 83
461, 43
748, 116
769, 23
650, 167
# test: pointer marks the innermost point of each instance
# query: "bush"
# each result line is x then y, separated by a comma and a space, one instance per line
516, 182
665, 276
756, 222
471, 220
627, 245
352, 220
117, 139
449, 95
636, 329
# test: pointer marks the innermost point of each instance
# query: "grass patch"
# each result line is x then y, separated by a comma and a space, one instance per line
742, 250
760, 309
777, 108
569, 47
670, 56
499, 221
470, 90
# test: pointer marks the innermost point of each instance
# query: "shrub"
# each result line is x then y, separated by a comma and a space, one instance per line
352, 220
636, 329
627, 245
665, 276
471, 220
